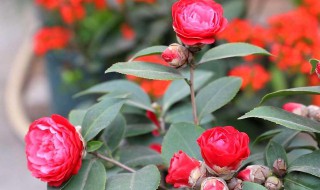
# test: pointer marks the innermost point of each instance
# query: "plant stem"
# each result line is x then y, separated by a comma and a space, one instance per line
115, 162
193, 100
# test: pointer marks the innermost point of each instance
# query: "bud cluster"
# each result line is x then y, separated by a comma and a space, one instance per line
311, 111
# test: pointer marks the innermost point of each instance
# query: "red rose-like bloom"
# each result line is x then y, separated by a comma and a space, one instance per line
54, 150
197, 22
223, 149
181, 166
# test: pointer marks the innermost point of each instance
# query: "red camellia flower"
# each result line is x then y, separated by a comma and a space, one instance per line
50, 38
223, 149
54, 149
181, 166
197, 22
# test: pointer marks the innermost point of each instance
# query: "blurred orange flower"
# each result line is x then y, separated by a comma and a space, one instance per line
127, 31
254, 76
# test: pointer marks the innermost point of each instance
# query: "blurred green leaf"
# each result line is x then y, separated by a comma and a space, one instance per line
179, 89
149, 51
278, 79
181, 136
93, 146
292, 91
76, 117
314, 63
301, 181
231, 50
273, 152
137, 96
252, 186
284, 118
308, 163
146, 70
233, 9
135, 156
216, 94
100, 116
114, 134
148, 178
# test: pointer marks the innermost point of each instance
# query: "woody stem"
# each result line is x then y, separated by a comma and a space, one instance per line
193, 100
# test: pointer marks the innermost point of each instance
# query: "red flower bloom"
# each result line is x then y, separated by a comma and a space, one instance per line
54, 149
197, 22
254, 76
48, 4
72, 13
223, 149
127, 32
50, 38
181, 166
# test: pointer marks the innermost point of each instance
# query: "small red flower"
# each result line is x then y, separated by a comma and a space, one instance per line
72, 13
127, 32
54, 149
156, 147
181, 167
223, 149
197, 22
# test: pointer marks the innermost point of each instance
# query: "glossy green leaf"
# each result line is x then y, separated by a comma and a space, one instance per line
285, 137
179, 89
252, 186
148, 178
93, 146
273, 152
146, 70
149, 51
216, 94
284, 118
181, 136
266, 135
231, 50
114, 134
76, 117
139, 156
92, 175
137, 96
100, 116
252, 158
293, 91
301, 181
308, 163
138, 125
314, 63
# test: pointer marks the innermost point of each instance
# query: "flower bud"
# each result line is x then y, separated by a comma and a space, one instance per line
296, 108
235, 183
318, 70
176, 55
273, 183
279, 167
214, 183
314, 112
255, 174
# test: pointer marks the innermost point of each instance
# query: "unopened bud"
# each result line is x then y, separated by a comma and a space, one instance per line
296, 108
318, 70
214, 183
197, 174
176, 55
223, 172
255, 174
279, 167
273, 183
235, 183
314, 112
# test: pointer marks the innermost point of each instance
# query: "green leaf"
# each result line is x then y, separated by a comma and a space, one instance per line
181, 136
301, 181
100, 116
273, 152
267, 135
314, 63
278, 78
139, 156
217, 94
284, 118
93, 146
308, 163
179, 89
114, 134
252, 186
148, 178
149, 51
137, 96
231, 50
146, 70
76, 117
285, 137
138, 125
252, 158
293, 91
233, 9
92, 175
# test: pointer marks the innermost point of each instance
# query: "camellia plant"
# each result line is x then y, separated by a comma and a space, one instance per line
127, 142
